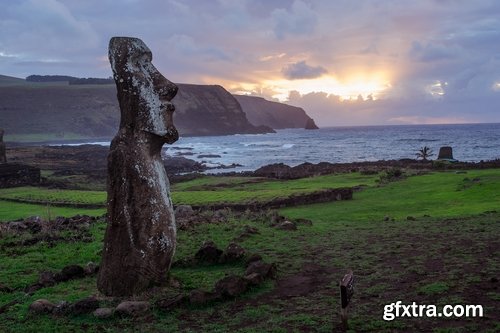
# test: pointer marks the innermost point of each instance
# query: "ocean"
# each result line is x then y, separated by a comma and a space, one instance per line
470, 142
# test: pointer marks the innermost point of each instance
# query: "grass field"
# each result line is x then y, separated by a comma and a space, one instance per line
445, 253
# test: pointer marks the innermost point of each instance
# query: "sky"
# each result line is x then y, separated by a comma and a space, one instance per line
363, 62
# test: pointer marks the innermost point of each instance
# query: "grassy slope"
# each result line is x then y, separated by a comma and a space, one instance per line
433, 260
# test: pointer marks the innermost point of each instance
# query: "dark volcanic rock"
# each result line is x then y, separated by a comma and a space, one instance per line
231, 286
286, 225
172, 302
103, 313
261, 268
42, 306
133, 308
70, 272
140, 237
86, 305
181, 164
208, 253
233, 253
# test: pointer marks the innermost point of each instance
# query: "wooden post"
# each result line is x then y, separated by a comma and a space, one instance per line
346, 292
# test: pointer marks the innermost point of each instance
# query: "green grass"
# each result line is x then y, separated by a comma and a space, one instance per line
440, 194
445, 256
10, 211
54, 196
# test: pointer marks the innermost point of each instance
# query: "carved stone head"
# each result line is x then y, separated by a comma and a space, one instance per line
144, 93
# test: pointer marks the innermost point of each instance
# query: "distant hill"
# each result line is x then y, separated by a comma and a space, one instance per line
10, 81
47, 112
260, 111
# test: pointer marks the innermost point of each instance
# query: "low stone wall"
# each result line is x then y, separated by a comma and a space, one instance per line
12, 175
329, 195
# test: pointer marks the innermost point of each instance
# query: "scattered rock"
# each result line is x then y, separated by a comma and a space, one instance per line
172, 302
183, 211
254, 279
103, 313
201, 297
276, 219
61, 308
250, 230
233, 253
208, 253
47, 279
86, 305
387, 218
303, 221
209, 156
91, 268
133, 308
231, 286
261, 268
286, 225
70, 272
253, 258
41, 306
411, 218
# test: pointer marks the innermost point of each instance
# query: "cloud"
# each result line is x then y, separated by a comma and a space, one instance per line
432, 52
301, 70
300, 19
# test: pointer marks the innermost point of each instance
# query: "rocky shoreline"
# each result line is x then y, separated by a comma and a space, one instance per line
89, 162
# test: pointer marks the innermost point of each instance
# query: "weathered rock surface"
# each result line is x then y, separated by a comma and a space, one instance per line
445, 153
209, 253
261, 268
141, 234
171, 303
260, 111
103, 313
41, 306
286, 225
133, 308
232, 253
83, 306
231, 286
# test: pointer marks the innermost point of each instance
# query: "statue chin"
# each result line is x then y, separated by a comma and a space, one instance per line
171, 136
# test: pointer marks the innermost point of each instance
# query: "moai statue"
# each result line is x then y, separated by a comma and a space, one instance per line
140, 237
3, 158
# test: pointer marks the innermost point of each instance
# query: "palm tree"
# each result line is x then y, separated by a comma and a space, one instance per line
424, 153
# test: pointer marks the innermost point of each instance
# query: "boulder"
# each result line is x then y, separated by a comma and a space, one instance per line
233, 253
91, 268
103, 313
261, 268
172, 302
254, 279
208, 253
133, 308
231, 286
286, 225
83, 306
253, 258
70, 272
183, 211
41, 306
47, 279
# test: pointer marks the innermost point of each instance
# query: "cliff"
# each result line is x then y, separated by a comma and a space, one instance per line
260, 111
58, 111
